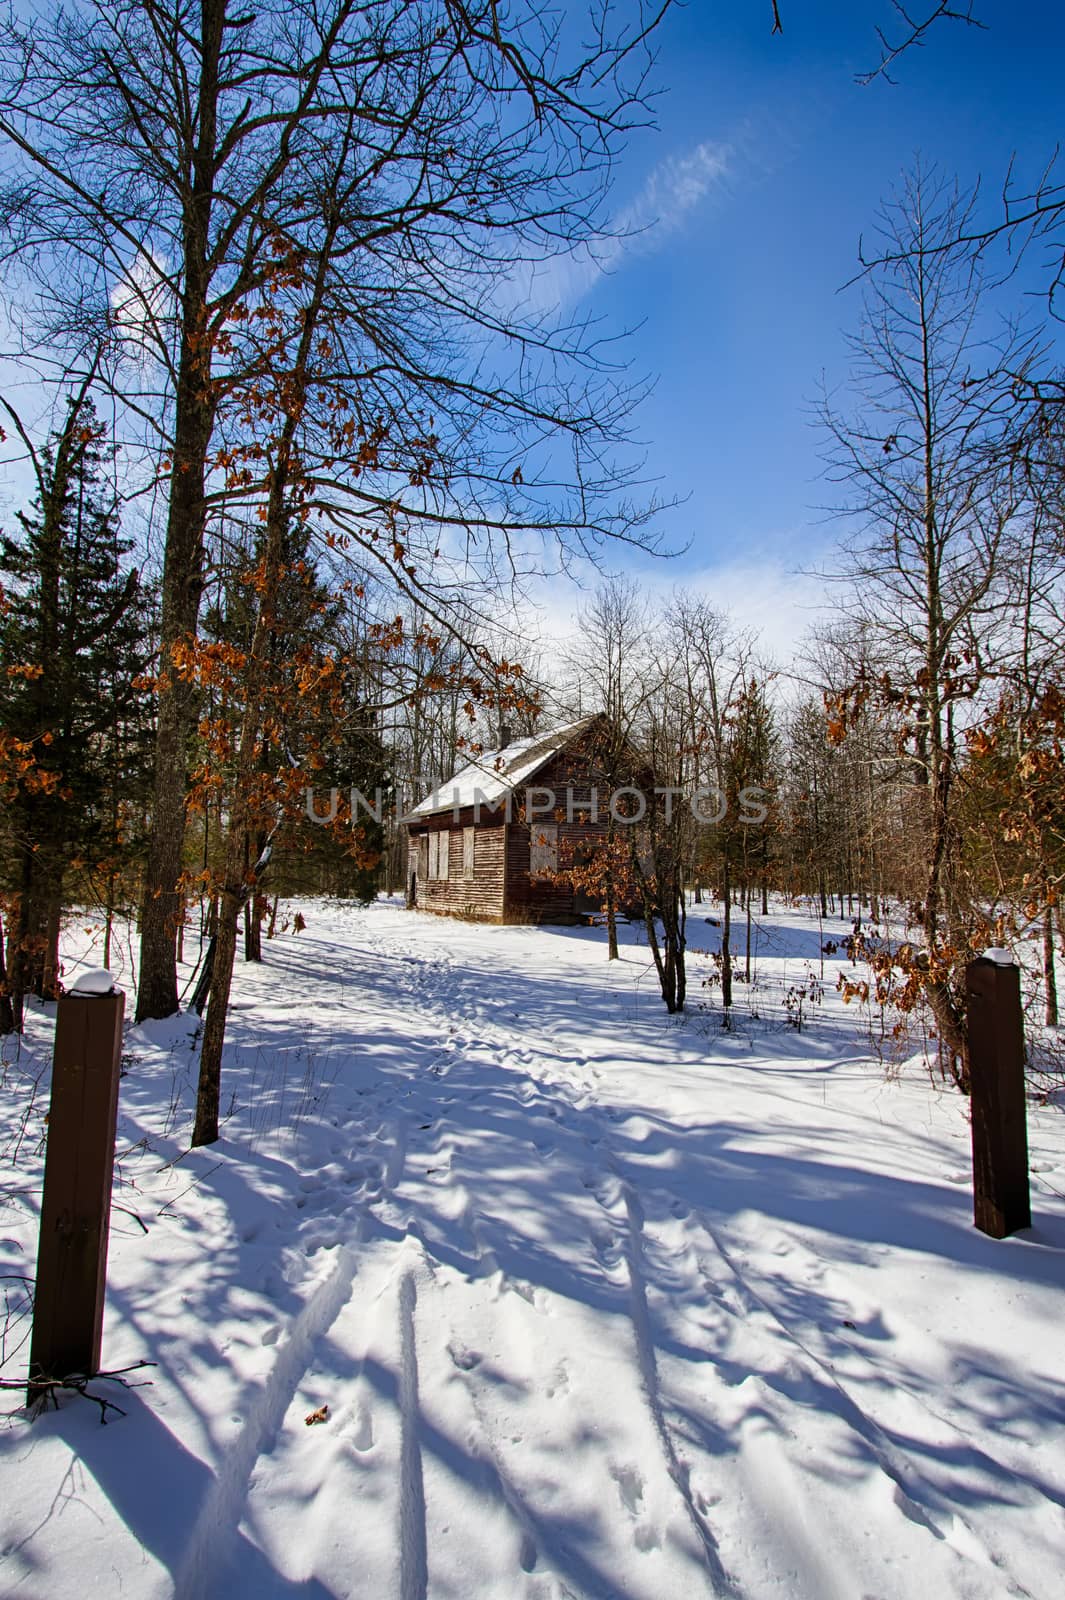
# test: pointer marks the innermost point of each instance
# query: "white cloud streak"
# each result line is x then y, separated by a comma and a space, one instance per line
761, 591
676, 187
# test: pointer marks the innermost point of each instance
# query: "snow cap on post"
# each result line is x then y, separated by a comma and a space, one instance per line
1000, 956
96, 981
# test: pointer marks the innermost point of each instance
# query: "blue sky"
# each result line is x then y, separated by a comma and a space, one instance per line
768, 163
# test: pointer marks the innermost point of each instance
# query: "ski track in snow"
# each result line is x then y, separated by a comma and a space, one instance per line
413, 1570
648, 1365
639, 1417
913, 1497
210, 1539
573, 1088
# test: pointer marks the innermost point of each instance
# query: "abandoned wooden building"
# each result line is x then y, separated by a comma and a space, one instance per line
493, 842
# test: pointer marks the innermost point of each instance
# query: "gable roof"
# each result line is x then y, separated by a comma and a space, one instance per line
497, 773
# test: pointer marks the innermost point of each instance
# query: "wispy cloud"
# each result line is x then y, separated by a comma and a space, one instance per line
761, 591
672, 191
675, 187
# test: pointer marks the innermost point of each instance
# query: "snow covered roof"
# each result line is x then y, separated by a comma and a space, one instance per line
497, 773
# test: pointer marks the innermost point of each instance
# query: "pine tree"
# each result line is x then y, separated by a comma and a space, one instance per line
73, 647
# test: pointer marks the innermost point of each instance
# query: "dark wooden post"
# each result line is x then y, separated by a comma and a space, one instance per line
1001, 1201
68, 1304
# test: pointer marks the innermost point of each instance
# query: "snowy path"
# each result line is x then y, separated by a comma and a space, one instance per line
601, 1306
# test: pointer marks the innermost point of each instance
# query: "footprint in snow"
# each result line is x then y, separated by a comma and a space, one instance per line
630, 1486
605, 1188
559, 1383
362, 1431
609, 1251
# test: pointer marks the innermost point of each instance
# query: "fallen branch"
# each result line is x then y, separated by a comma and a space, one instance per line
46, 1389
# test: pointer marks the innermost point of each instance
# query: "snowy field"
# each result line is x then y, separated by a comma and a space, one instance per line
601, 1303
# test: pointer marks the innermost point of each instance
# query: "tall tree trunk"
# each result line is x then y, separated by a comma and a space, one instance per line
236, 886
255, 907
182, 585
109, 920
610, 895
1050, 982
52, 926
253, 943
611, 917
176, 711
7, 1014
209, 1084
726, 936
662, 963
682, 942
17, 940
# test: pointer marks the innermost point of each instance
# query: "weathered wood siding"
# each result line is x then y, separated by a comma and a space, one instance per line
464, 892
543, 898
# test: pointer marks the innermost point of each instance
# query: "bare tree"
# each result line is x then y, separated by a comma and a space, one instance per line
164, 171
932, 507
607, 673
713, 669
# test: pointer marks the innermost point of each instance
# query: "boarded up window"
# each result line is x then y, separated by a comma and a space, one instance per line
423, 855
434, 855
543, 848
468, 836
445, 841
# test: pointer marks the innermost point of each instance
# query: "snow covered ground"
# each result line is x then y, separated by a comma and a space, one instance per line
601, 1303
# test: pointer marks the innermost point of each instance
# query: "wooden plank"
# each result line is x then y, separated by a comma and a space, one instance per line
1001, 1200
76, 1205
